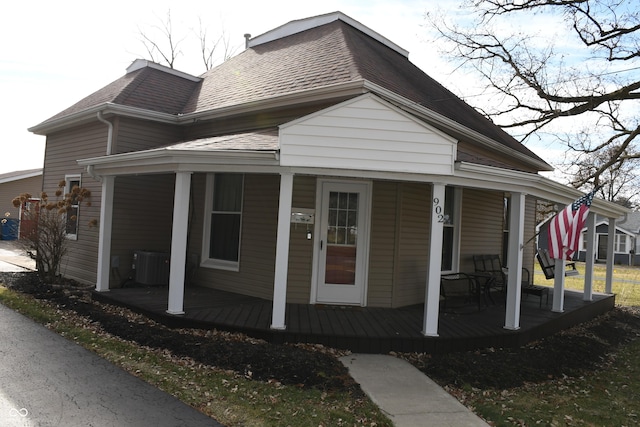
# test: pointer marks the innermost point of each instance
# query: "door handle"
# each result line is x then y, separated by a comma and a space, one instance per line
320, 244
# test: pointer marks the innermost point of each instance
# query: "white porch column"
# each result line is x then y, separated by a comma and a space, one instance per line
179, 243
514, 263
104, 242
611, 242
432, 293
590, 257
282, 252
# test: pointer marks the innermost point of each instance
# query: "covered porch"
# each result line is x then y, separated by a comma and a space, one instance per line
361, 329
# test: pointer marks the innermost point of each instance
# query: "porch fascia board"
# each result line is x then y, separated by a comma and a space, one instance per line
465, 174
536, 185
162, 160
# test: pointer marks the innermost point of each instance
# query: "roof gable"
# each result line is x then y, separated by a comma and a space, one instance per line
366, 133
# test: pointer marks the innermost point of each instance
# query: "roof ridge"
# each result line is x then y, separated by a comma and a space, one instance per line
300, 25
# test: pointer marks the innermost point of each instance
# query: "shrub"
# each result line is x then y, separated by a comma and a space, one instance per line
47, 242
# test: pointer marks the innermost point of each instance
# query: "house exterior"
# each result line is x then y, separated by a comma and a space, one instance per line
626, 243
319, 166
13, 184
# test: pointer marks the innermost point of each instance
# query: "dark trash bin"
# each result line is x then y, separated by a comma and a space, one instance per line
9, 228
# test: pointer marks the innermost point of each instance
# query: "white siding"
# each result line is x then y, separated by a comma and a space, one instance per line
366, 133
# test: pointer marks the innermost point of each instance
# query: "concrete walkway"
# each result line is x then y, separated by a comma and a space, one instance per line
13, 259
406, 395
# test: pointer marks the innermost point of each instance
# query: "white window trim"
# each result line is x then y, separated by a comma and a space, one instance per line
67, 190
213, 263
621, 238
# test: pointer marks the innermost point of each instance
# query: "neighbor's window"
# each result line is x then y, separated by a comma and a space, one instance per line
621, 243
71, 226
224, 202
450, 229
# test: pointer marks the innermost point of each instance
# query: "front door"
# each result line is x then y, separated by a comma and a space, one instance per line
603, 240
343, 246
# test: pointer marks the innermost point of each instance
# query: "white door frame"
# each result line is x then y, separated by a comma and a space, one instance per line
364, 230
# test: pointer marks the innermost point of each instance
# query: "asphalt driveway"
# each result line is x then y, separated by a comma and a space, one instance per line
46, 380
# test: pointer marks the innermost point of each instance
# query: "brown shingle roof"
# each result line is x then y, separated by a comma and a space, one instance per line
263, 140
321, 56
330, 54
147, 88
306, 60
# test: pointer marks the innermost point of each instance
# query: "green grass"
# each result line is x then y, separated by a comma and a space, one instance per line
607, 397
626, 282
232, 399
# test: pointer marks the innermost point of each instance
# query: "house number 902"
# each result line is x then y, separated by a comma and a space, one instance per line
437, 208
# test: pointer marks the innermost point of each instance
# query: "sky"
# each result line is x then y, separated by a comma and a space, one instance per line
57, 52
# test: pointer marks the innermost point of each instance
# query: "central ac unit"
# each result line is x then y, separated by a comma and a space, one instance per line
151, 268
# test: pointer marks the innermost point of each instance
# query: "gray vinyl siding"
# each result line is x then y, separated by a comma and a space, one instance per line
136, 135
399, 244
196, 220
481, 225
413, 245
382, 252
12, 189
529, 250
61, 152
258, 242
301, 249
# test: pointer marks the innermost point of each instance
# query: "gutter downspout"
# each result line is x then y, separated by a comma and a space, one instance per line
90, 170
106, 216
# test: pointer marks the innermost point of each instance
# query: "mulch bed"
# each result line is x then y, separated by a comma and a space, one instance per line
570, 353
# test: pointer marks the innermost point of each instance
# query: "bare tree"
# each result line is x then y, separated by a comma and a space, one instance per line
618, 183
586, 77
164, 49
164, 45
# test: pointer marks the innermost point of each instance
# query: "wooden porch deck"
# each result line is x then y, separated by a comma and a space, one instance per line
361, 329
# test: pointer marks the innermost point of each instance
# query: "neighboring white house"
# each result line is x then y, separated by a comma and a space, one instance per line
626, 244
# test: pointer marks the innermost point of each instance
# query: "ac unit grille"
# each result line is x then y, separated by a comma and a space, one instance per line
151, 268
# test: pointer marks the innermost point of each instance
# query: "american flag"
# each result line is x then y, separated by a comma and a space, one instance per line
566, 226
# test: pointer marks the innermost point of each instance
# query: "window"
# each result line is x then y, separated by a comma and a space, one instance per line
450, 229
71, 219
224, 219
621, 243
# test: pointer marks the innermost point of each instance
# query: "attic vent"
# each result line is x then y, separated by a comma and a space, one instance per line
151, 268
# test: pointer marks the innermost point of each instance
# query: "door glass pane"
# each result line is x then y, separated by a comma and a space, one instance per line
342, 235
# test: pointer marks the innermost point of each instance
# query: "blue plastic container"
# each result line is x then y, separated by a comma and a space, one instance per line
10, 228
